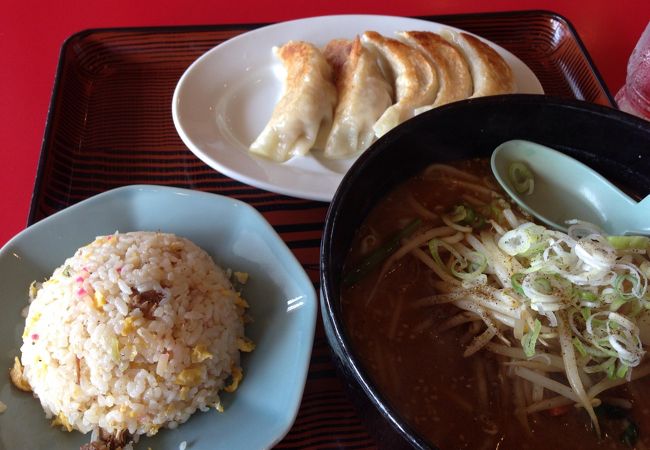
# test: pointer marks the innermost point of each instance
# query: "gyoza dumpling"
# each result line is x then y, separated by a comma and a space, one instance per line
337, 52
491, 75
303, 115
415, 79
454, 77
363, 96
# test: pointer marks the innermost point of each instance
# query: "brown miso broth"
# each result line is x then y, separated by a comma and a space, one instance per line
455, 402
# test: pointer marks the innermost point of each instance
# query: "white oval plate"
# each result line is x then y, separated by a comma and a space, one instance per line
226, 97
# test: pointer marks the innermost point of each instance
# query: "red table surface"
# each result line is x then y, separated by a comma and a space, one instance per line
31, 35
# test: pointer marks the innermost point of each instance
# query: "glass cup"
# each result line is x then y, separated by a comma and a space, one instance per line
634, 96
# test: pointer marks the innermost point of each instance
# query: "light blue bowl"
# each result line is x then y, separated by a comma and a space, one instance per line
282, 303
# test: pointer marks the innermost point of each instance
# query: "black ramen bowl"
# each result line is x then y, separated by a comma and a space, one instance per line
612, 142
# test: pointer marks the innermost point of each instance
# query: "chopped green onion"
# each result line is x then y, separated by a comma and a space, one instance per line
496, 212
477, 267
466, 215
588, 296
380, 254
479, 222
635, 309
471, 217
629, 242
599, 323
521, 177
579, 346
491, 211
529, 339
621, 371
459, 214
514, 242
616, 304
534, 250
620, 289
543, 285
515, 280
66, 271
602, 349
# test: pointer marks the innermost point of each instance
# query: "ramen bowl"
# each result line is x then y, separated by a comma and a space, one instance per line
611, 142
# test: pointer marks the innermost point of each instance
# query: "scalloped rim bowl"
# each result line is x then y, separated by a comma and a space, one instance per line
282, 303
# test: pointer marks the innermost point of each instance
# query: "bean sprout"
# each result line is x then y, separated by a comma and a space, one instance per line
571, 302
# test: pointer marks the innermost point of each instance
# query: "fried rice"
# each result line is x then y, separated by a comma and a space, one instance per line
133, 333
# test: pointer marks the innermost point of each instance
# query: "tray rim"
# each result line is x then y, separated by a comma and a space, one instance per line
56, 95
56, 88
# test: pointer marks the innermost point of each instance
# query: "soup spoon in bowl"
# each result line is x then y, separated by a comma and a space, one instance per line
556, 188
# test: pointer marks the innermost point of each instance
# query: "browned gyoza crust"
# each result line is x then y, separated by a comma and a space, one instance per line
415, 79
302, 118
452, 68
491, 74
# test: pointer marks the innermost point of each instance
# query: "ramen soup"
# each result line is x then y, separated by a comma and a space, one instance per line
484, 330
